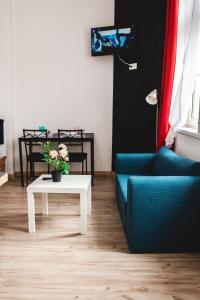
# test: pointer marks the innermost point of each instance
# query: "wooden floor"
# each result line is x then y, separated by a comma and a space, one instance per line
58, 263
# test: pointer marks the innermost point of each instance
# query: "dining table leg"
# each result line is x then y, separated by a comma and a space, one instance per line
92, 159
21, 163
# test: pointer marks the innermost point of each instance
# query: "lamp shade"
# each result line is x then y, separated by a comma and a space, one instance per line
152, 98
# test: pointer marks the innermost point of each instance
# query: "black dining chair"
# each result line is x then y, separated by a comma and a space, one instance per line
74, 139
33, 156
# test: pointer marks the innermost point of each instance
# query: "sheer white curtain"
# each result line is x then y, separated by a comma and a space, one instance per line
187, 64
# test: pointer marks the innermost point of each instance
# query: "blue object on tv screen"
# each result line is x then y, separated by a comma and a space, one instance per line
1, 132
111, 40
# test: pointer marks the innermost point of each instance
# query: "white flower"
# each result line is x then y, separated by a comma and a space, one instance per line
62, 146
53, 154
63, 153
66, 158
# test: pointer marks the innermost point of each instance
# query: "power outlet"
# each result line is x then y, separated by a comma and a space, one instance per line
132, 66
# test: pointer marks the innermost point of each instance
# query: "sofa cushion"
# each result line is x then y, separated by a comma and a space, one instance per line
168, 163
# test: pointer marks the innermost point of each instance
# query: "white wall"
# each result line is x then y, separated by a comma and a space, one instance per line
188, 146
56, 81
6, 104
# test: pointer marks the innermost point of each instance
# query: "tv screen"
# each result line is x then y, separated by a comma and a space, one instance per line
111, 40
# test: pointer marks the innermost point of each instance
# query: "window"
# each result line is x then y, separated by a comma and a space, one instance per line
193, 118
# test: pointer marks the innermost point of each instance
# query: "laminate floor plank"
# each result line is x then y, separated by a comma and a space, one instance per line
57, 262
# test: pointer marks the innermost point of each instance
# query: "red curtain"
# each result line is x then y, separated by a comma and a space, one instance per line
169, 62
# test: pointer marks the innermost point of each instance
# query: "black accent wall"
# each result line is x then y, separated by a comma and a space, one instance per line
134, 120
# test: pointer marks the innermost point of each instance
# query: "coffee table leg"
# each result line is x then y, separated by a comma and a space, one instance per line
45, 204
31, 212
83, 212
89, 203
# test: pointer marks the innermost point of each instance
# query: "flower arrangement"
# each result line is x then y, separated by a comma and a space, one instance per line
56, 156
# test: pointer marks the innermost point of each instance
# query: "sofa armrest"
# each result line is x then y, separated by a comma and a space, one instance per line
163, 213
134, 163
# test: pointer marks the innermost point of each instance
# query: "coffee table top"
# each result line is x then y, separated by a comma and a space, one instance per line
68, 184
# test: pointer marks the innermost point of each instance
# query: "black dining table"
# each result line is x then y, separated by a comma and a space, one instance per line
87, 138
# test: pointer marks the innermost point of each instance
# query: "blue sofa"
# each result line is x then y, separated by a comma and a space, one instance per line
159, 201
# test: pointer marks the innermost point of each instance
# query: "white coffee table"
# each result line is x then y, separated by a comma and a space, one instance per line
3, 178
76, 184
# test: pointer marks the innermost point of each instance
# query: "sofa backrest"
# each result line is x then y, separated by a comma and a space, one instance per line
168, 163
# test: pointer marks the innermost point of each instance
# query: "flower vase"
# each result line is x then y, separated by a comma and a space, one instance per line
56, 176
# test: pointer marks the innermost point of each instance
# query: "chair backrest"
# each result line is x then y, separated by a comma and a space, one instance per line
33, 133
72, 134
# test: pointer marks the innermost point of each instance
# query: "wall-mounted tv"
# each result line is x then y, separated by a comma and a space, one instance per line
112, 39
